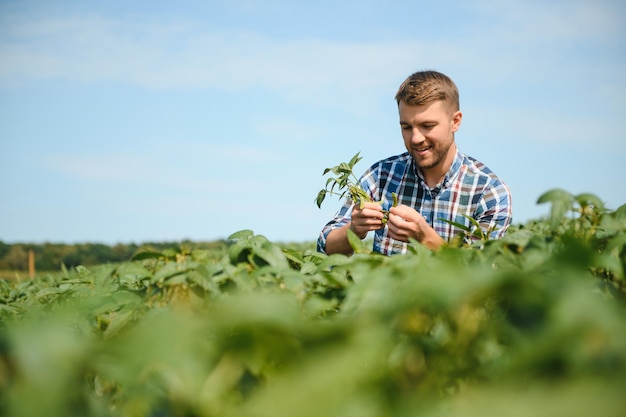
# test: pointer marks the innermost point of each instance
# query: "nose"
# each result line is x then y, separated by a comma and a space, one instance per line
416, 136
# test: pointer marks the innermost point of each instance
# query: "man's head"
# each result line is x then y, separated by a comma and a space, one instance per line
428, 106
425, 87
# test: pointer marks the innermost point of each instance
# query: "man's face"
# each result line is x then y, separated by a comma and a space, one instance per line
428, 133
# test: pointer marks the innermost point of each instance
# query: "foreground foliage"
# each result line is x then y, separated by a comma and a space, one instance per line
532, 324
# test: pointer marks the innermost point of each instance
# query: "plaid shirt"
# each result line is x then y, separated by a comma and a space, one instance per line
469, 188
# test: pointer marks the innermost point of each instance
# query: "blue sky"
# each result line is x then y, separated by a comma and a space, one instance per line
162, 121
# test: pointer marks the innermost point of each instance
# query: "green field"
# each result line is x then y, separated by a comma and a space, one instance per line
530, 325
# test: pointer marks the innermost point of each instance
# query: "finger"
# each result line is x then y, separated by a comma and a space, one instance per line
397, 233
370, 224
397, 221
368, 214
374, 214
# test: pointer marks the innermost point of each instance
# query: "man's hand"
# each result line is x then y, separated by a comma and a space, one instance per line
365, 219
406, 223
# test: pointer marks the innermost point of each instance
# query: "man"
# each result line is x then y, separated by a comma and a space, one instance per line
433, 180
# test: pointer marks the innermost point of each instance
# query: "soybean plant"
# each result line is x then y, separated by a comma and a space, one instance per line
345, 183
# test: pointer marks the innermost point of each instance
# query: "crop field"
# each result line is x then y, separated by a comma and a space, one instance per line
533, 324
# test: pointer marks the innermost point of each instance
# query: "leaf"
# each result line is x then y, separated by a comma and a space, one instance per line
308, 268
561, 203
315, 256
321, 196
146, 255
478, 231
272, 255
458, 225
520, 238
294, 256
168, 271
345, 168
590, 200
355, 159
620, 213
358, 246
242, 234
170, 253
51, 291
82, 271
553, 195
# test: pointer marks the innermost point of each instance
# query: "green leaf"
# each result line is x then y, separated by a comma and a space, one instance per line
294, 256
242, 234
320, 198
171, 253
51, 291
146, 255
355, 159
308, 268
82, 271
478, 231
458, 225
620, 213
561, 203
358, 246
272, 255
590, 200
167, 272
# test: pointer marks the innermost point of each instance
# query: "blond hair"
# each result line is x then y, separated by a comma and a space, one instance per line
424, 87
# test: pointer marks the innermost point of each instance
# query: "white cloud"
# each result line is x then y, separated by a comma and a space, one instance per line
183, 165
278, 130
538, 125
109, 167
552, 20
510, 39
180, 55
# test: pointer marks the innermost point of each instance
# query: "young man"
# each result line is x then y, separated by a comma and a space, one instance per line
434, 181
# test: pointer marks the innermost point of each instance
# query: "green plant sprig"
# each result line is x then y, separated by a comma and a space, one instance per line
345, 183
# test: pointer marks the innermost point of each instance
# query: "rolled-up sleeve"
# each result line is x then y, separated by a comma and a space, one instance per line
496, 210
342, 218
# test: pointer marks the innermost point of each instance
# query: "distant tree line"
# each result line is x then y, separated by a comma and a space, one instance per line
53, 256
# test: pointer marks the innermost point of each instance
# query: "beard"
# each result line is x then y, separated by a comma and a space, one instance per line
437, 155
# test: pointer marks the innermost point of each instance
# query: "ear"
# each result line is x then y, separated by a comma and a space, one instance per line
457, 116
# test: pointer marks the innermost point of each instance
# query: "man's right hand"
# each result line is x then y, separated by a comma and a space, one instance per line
366, 219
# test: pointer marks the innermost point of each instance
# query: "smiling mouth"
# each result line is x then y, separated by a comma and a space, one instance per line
422, 149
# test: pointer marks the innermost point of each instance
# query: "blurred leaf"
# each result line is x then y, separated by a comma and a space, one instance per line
140, 256
358, 246
561, 203
590, 200
242, 234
